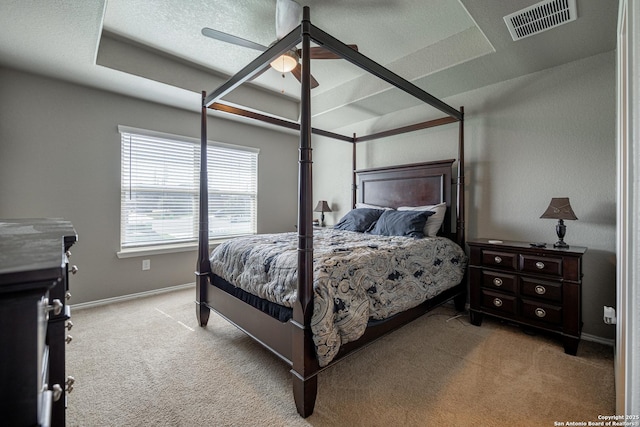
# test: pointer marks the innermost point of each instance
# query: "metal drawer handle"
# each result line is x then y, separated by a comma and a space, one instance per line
540, 290
69, 384
539, 265
74, 269
540, 312
56, 306
497, 259
57, 392
497, 281
68, 325
497, 302
68, 339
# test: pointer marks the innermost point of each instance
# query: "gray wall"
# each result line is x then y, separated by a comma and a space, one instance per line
548, 134
60, 157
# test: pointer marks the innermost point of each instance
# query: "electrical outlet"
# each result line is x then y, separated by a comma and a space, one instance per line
609, 315
146, 264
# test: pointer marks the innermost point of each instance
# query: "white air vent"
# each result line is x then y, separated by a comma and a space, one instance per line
540, 17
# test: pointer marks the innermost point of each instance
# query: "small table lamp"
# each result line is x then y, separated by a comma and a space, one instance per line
322, 207
560, 209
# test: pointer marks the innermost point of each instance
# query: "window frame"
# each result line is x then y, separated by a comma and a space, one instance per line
142, 248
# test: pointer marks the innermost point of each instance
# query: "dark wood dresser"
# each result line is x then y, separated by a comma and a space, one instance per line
34, 319
535, 287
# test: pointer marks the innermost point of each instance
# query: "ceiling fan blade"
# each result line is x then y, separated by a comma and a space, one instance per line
239, 41
288, 17
319, 52
297, 73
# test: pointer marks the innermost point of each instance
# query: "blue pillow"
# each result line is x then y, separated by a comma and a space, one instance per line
401, 223
359, 220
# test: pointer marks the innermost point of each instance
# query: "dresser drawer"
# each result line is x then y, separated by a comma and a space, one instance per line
504, 260
498, 302
542, 289
542, 312
499, 281
541, 265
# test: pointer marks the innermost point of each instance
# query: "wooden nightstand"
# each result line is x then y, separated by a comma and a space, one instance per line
537, 287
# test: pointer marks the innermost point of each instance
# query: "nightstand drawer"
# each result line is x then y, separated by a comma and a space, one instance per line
538, 311
551, 291
504, 260
541, 265
498, 281
498, 302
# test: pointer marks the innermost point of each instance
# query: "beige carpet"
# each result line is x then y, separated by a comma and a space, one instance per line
146, 363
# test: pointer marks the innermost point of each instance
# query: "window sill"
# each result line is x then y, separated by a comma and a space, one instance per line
166, 249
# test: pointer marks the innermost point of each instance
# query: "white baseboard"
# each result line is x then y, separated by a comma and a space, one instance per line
606, 341
106, 301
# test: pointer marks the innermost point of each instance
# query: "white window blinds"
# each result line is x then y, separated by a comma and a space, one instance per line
160, 187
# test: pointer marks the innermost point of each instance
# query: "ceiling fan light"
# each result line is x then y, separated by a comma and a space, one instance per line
285, 62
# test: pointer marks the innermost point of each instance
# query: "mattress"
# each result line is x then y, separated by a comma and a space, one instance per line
357, 277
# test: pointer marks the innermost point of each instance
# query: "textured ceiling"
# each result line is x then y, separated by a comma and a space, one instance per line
383, 30
153, 49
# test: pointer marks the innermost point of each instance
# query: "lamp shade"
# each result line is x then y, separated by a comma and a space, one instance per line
322, 206
559, 208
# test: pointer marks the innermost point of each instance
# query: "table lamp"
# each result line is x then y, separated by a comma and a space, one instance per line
322, 207
560, 209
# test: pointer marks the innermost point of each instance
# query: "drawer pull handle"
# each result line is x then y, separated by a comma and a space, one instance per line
56, 306
68, 339
69, 325
539, 265
497, 302
540, 312
497, 281
497, 259
57, 392
69, 384
67, 295
74, 269
540, 290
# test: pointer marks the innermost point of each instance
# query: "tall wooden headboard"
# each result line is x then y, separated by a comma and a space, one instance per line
417, 184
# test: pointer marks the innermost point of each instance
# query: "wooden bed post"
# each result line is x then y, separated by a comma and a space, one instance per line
460, 225
354, 185
203, 267
304, 362
460, 300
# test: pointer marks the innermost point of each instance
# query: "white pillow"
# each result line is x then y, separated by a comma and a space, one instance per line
367, 206
434, 222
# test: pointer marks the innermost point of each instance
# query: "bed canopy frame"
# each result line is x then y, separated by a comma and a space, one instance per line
301, 355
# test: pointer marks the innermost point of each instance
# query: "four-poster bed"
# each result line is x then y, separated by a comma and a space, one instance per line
290, 336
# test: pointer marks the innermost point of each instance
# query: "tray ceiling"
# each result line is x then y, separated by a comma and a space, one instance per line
153, 49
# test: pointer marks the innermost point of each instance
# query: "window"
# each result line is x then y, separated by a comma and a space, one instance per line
160, 186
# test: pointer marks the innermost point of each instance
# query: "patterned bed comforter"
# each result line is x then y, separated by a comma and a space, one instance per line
357, 277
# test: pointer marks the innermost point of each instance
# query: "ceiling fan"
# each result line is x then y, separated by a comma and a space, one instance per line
288, 17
